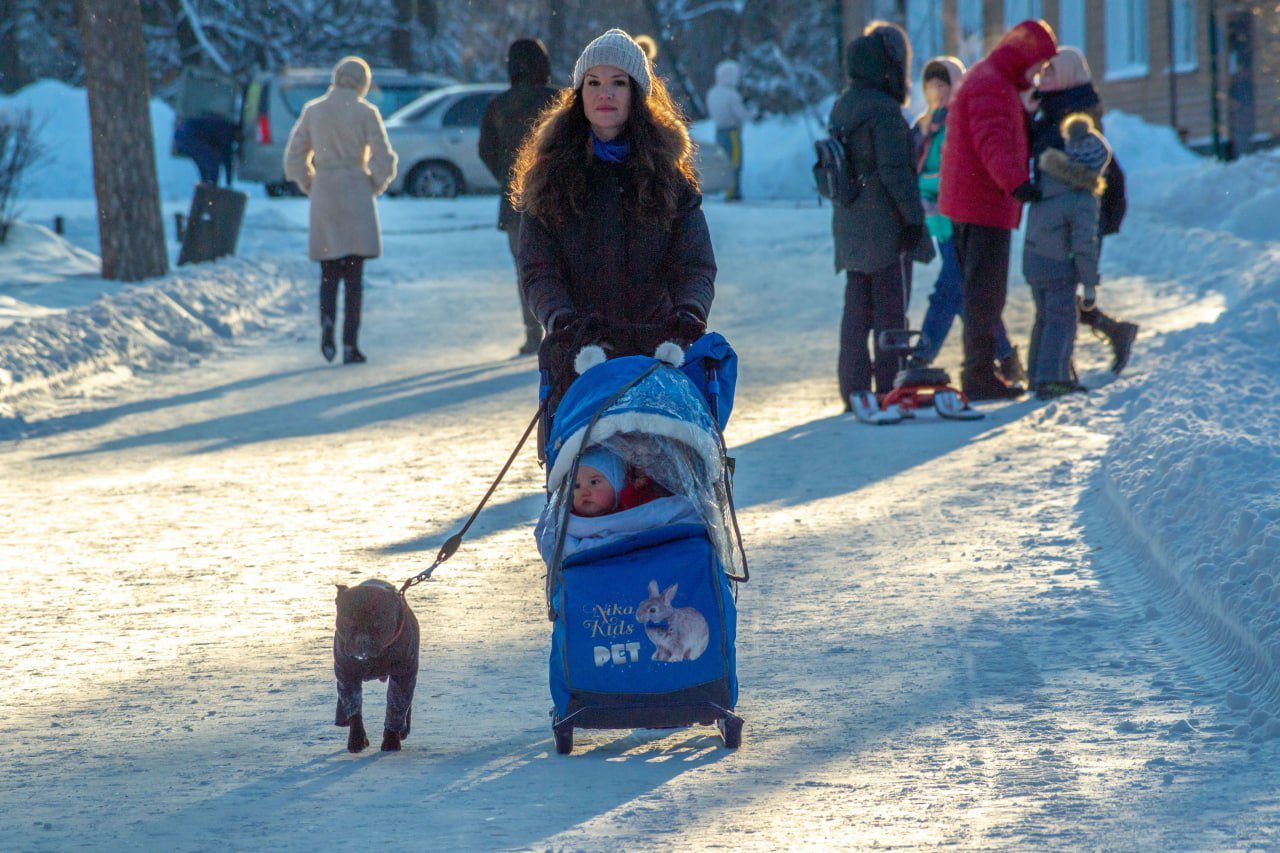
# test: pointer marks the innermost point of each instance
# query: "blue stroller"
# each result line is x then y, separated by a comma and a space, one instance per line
643, 604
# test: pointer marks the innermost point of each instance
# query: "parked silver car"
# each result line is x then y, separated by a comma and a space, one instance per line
437, 138
273, 101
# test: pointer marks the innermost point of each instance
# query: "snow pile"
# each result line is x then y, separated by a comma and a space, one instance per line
62, 115
1193, 471
777, 153
167, 321
33, 254
1241, 197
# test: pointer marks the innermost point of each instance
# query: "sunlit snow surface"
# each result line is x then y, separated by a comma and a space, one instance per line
991, 634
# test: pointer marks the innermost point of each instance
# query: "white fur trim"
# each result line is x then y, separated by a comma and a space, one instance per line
587, 358
670, 352
649, 423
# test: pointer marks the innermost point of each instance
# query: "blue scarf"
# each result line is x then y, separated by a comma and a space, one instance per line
613, 151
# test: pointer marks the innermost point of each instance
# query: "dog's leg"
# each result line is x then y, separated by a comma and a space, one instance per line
350, 699
357, 739
399, 707
348, 713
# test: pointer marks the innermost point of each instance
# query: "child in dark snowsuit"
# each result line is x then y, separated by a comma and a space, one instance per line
1061, 250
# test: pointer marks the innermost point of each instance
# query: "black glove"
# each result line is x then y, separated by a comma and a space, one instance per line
911, 237
1026, 192
687, 326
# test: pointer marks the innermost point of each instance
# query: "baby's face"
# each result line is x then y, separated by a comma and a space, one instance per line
592, 494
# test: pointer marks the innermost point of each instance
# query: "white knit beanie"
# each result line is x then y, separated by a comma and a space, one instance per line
618, 49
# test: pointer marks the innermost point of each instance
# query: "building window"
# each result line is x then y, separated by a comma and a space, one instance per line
924, 26
969, 42
1126, 31
1071, 27
1017, 11
1184, 35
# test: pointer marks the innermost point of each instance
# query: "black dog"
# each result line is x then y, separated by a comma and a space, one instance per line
376, 637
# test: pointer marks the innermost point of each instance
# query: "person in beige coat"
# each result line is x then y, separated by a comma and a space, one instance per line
339, 155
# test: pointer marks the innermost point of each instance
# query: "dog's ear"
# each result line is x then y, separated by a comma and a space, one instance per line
342, 588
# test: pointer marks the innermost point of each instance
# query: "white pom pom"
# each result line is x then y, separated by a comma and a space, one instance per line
669, 352
587, 358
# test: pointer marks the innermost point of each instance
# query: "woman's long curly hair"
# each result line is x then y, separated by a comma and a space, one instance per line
550, 175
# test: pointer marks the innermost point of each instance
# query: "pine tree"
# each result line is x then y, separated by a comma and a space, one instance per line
124, 161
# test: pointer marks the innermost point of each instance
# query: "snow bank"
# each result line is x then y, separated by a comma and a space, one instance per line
168, 321
67, 172
1241, 197
32, 254
1194, 469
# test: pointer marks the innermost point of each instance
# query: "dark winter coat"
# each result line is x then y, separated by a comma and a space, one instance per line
603, 261
986, 151
507, 122
1046, 133
867, 119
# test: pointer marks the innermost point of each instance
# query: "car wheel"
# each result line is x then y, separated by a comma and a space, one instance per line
275, 190
434, 179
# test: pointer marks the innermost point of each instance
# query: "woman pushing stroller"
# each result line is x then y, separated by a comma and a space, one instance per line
614, 248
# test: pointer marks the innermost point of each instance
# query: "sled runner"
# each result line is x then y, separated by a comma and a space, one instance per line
642, 600
913, 388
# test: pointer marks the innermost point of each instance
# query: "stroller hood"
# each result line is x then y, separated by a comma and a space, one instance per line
633, 394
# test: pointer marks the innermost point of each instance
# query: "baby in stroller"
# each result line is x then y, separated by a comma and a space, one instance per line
613, 500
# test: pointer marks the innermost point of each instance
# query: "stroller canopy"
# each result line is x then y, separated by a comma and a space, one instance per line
634, 394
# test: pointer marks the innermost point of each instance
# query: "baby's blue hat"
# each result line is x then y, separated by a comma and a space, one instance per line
607, 463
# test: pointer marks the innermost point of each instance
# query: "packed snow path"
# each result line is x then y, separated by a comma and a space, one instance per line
947, 639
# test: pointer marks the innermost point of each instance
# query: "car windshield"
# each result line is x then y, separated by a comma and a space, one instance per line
387, 99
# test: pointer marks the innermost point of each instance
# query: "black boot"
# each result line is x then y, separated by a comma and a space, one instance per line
327, 347
1011, 369
352, 355
1120, 335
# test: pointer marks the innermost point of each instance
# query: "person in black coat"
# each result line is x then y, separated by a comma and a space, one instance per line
210, 140
1066, 87
876, 235
507, 121
614, 248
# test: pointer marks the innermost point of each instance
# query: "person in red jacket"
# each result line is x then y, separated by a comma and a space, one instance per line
986, 179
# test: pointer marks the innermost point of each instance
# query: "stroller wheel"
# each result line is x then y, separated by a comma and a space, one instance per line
563, 733
731, 730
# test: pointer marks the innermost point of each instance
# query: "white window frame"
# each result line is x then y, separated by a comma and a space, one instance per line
1128, 45
1185, 50
970, 37
1017, 11
1073, 24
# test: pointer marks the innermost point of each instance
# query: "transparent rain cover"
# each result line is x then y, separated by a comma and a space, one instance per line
648, 428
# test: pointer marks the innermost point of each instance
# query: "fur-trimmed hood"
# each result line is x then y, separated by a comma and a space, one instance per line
1076, 176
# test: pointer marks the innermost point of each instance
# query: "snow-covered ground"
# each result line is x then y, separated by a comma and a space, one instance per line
1053, 627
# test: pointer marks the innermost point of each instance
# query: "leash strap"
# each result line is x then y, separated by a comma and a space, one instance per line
450, 546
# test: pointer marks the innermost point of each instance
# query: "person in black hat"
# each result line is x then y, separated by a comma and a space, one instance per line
507, 121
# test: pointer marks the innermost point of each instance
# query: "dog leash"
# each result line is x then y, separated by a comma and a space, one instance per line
450, 546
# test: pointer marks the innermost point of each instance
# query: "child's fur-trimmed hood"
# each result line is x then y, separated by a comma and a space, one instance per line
1057, 164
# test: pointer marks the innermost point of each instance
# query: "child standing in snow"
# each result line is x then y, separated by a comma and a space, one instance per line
1061, 250
724, 103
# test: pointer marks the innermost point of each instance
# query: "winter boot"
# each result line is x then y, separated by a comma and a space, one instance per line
1011, 369
987, 386
1054, 390
327, 347
351, 355
1121, 335
1118, 333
